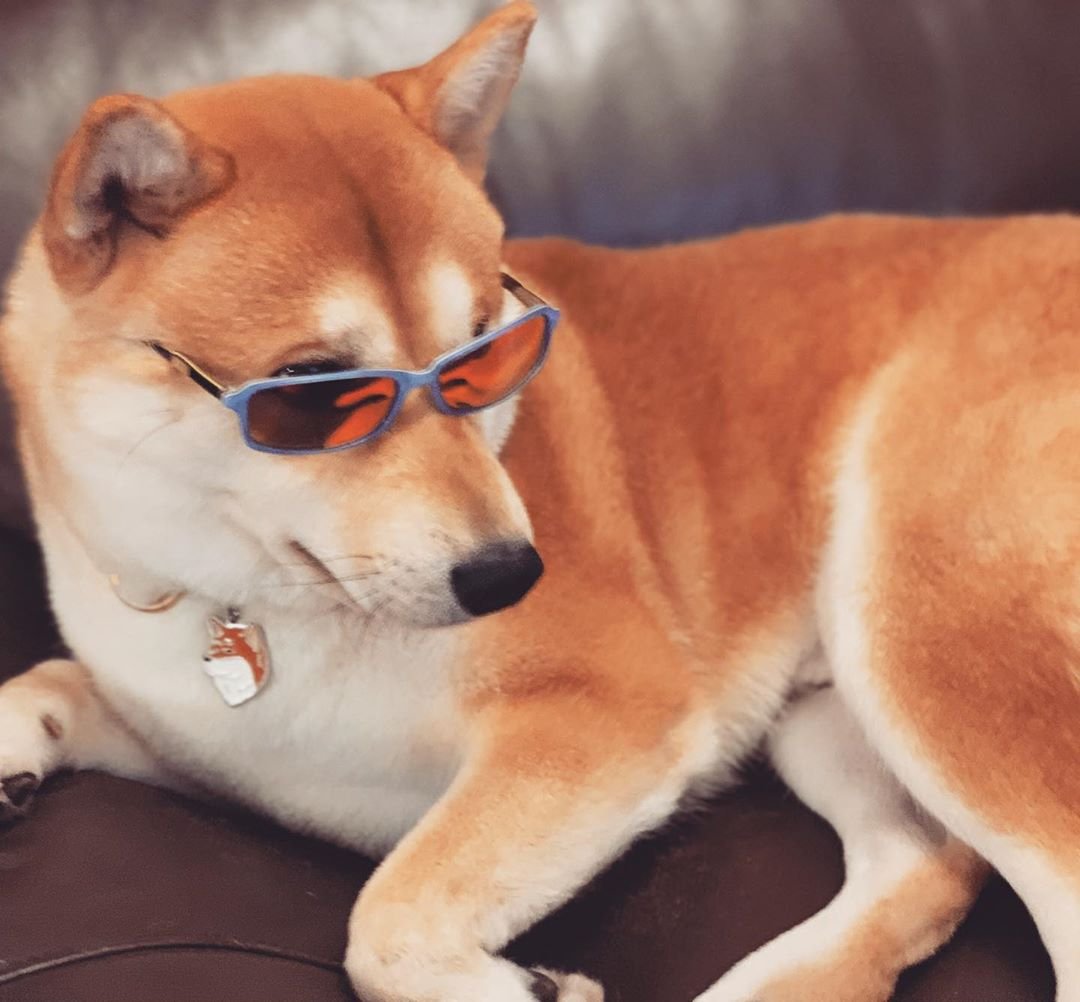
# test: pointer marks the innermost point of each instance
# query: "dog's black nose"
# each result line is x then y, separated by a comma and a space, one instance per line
499, 575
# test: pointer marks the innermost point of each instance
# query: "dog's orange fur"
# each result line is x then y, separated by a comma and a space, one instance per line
983, 667
677, 458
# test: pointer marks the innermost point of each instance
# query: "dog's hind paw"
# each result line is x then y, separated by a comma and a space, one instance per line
551, 986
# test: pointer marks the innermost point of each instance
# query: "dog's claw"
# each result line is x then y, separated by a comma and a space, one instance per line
543, 987
18, 792
553, 986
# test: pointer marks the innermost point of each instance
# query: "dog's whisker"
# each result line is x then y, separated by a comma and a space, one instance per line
346, 579
142, 440
330, 560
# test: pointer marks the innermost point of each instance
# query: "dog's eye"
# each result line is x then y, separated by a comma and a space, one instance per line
315, 367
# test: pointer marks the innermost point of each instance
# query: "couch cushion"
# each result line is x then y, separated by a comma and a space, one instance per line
113, 890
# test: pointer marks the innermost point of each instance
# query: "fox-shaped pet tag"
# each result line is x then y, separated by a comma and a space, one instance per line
238, 659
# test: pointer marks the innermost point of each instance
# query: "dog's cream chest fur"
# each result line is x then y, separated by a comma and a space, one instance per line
354, 738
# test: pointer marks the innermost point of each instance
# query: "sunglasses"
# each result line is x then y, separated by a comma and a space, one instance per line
328, 411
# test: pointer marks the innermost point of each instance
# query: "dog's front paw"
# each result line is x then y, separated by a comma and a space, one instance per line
552, 986
28, 751
16, 794
414, 974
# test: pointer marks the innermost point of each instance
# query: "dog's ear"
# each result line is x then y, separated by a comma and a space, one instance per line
130, 166
459, 96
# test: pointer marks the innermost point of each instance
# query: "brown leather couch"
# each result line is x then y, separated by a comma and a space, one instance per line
636, 121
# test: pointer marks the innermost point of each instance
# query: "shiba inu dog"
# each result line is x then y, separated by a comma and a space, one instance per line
814, 487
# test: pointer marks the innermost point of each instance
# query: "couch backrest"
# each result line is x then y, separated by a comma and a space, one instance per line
636, 120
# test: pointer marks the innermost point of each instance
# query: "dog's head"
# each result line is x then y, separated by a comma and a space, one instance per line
274, 224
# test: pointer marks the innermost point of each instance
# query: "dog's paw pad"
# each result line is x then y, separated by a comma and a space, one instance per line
16, 794
551, 986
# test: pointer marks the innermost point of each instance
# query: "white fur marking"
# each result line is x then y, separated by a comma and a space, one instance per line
451, 304
349, 311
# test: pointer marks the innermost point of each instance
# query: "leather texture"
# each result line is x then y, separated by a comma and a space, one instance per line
635, 122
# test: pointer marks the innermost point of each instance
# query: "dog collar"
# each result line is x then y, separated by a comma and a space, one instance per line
163, 604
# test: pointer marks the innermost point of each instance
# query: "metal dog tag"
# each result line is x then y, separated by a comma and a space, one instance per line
238, 658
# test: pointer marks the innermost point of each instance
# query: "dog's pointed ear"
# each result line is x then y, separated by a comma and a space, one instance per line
459, 96
130, 165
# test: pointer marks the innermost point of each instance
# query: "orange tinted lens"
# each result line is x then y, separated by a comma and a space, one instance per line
320, 415
494, 370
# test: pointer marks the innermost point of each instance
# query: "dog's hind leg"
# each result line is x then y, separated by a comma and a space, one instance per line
973, 701
949, 610
52, 718
908, 884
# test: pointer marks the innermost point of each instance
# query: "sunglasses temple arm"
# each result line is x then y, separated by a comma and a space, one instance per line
191, 370
524, 296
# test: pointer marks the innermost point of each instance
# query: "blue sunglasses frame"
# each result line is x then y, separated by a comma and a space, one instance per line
238, 398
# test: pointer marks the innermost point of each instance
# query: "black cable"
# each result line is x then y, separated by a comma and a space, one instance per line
113, 951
